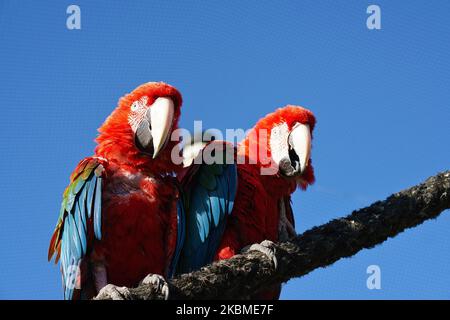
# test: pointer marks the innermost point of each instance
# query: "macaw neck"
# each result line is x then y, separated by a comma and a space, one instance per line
116, 143
276, 185
279, 186
127, 157
121, 155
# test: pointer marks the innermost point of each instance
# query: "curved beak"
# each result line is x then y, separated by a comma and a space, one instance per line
161, 118
152, 132
300, 141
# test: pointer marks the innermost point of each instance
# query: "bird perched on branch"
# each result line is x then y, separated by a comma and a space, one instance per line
245, 204
121, 217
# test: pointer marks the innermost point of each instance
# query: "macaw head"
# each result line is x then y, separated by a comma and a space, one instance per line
283, 140
137, 133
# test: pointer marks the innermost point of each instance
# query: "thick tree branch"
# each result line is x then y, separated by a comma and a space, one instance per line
321, 246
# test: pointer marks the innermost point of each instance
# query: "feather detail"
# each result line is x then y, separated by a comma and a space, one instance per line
81, 199
98, 209
210, 191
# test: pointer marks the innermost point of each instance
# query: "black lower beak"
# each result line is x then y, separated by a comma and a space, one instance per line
143, 138
290, 166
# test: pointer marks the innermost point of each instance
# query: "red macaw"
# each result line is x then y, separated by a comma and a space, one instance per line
121, 218
225, 216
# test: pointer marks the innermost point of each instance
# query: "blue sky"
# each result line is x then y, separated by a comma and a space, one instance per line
381, 98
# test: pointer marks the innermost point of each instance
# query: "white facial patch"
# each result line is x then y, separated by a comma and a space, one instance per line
137, 112
278, 142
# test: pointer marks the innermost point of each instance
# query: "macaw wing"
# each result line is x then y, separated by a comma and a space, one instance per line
79, 218
210, 190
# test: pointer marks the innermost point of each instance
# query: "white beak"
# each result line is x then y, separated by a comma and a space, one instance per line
161, 113
301, 142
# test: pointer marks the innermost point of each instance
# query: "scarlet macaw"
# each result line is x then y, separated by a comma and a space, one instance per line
261, 202
121, 218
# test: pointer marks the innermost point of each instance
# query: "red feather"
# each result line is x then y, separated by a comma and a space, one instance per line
116, 140
139, 213
256, 211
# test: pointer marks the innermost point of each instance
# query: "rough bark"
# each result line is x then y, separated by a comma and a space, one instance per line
321, 246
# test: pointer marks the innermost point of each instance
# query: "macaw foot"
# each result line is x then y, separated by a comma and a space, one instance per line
112, 292
159, 283
266, 247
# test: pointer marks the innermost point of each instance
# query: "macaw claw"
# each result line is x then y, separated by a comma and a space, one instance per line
112, 292
157, 282
266, 247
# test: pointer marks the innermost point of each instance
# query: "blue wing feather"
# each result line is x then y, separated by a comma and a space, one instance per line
76, 243
81, 229
81, 202
70, 201
210, 200
79, 183
65, 254
82, 207
90, 197
98, 209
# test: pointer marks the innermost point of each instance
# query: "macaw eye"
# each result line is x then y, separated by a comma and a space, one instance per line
139, 104
135, 106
